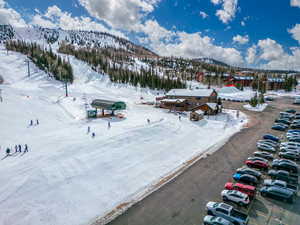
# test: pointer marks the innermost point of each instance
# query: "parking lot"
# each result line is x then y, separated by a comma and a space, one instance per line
182, 201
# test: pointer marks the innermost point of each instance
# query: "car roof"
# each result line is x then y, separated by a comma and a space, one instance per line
245, 186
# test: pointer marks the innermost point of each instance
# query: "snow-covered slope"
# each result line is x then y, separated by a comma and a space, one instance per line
70, 178
75, 37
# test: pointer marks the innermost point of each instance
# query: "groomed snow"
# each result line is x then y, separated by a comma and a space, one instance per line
258, 108
69, 178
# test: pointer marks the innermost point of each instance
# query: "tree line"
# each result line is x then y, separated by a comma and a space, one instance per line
121, 68
43, 59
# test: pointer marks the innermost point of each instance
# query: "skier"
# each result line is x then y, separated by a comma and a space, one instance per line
31, 122
16, 148
108, 125
37, 122
179, 117
20, 148
148, 120
7, 151
26, 148
89, 129
93, 135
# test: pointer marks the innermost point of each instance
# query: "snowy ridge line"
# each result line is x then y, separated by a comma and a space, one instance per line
156, 185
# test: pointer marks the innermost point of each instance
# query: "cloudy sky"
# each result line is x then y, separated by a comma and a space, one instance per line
255, 33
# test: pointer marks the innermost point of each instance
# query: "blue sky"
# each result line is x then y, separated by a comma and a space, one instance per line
256, 33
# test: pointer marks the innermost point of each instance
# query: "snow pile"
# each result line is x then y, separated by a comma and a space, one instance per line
234, 94
258, 108
70, 178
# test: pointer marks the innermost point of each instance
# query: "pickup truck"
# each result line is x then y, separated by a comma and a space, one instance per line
282, 184
227, 212
283, 175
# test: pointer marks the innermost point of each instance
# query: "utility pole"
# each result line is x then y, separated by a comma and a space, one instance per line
28, 68
66, 87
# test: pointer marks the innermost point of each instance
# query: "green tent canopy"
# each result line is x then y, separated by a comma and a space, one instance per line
108, 105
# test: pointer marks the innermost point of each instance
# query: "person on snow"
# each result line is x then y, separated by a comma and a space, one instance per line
108, 125
148, 120
31, 122
93, 135
89, 129
179, 117
26, 148
37, 122
16, 148
7, 151
20, 148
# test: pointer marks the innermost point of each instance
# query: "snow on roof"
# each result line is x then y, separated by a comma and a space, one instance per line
199, 111
190, 93
173, 100
212, 105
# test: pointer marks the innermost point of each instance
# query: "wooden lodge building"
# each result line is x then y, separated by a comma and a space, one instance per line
191, 100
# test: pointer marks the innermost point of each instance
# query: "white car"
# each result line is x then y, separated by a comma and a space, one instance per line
236, 197
294, 144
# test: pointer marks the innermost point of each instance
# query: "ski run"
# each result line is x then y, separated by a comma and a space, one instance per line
69, 178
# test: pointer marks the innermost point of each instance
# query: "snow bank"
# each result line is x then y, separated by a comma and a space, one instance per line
258, 108
70, 178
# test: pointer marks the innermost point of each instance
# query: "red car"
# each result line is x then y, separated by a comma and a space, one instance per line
246, 189
257, 164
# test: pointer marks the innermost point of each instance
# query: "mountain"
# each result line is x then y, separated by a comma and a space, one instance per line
75, 37
211, 61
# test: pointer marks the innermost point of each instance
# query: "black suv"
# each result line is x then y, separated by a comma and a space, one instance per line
285, 165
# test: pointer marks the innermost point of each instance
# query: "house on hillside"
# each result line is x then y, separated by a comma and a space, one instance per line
186, 100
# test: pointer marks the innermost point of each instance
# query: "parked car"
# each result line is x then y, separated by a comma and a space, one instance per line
271, 137
296, 102
286, 165
294, 130
257, 164
265, 147
277, 193
279, 127
283, 175
290, 143
291, 111
289, 155
282, 124
227, 212
257, 158
215, 220
266, 142
236, 197
264, 155
245, 178
246, 170
287, 122
294, 139
269, 98
295, 126
282, 184
246, 189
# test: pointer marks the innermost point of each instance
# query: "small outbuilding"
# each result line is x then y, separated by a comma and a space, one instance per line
196, 115
209, 108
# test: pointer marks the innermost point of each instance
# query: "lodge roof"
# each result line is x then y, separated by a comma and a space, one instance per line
190, 93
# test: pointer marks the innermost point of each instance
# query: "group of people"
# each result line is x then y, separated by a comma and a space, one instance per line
18, 148
93, 133
36, 122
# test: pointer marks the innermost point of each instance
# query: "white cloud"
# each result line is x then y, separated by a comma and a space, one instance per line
203, 15
10, 16
295, 31
229, 8
251, 54
295, 3
241, 39
275, 56
119, 13
271, 50
190, 45
54, 17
